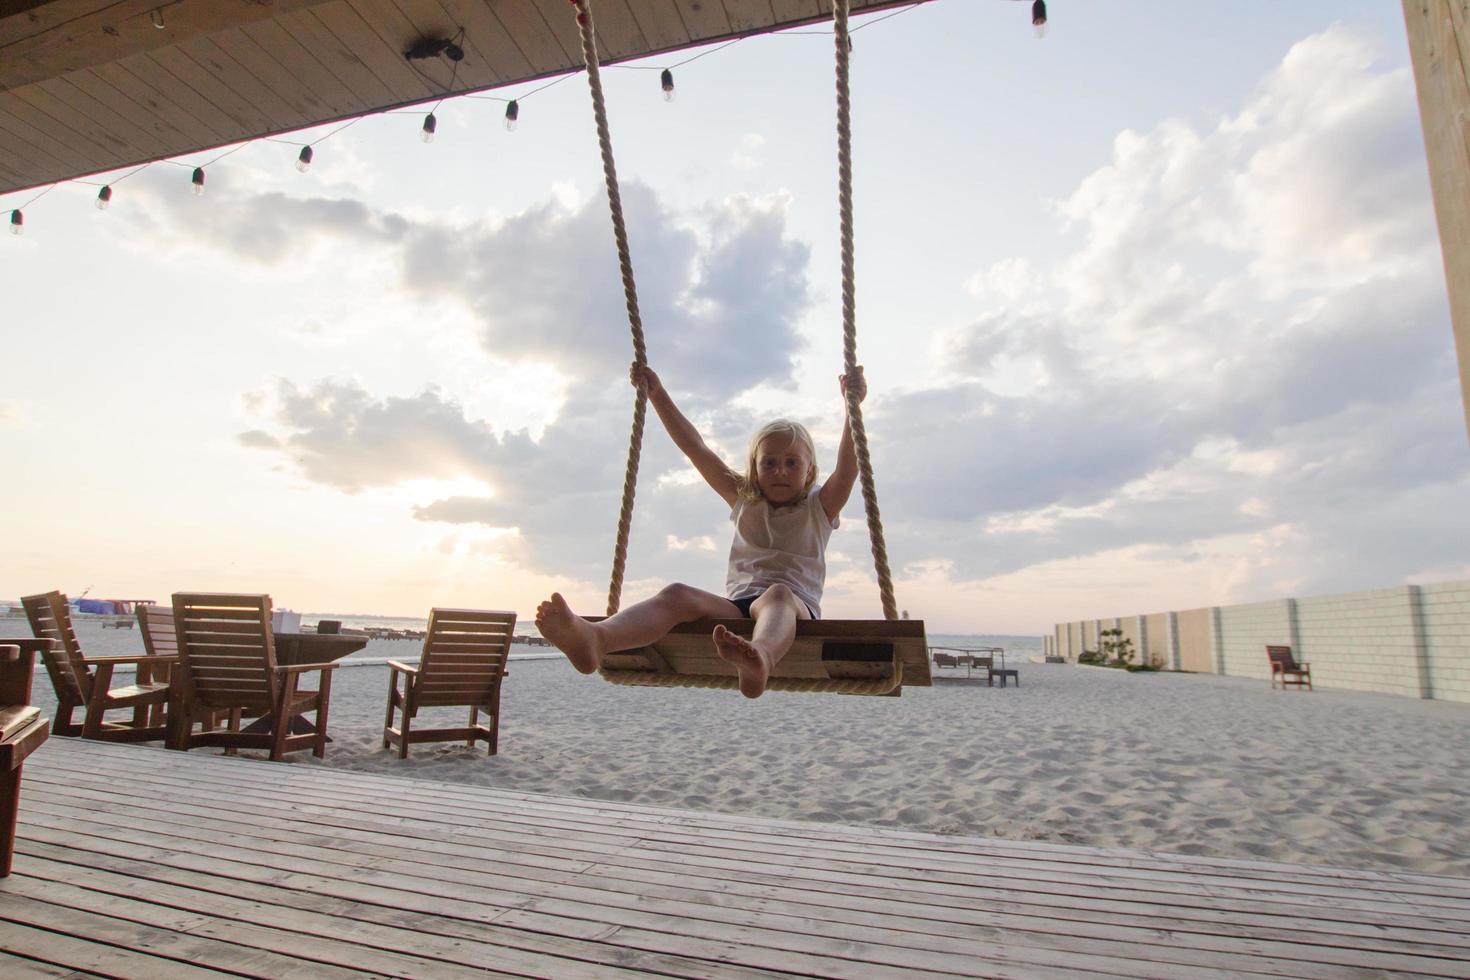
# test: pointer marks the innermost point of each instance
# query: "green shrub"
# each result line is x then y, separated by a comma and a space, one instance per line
1117, 649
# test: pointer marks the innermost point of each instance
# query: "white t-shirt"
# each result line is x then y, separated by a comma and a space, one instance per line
786, 545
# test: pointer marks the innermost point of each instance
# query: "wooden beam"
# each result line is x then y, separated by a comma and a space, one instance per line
46, 39
1440, 47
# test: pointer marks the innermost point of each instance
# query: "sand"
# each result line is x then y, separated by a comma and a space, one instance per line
1184, 763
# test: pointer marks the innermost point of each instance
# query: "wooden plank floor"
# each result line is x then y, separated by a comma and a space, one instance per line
133, 861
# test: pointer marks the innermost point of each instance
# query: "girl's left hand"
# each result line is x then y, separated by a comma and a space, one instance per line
855, 381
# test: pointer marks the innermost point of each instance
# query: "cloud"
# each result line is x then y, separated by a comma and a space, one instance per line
723, 287
263, 227
544, 285
747, 155
727, 285
1250, 336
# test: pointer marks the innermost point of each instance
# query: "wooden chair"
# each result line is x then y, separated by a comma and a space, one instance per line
463, 663
83, 682
22, 730
1285, 667
227, 663
160, 639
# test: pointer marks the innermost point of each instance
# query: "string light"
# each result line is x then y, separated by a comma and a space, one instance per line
435, 47
1038, 18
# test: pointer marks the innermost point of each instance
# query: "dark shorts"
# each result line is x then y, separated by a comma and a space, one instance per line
746, 601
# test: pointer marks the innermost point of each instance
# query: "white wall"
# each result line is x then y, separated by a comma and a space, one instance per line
1445, 618
1246, 630
1409, 640
1361, 640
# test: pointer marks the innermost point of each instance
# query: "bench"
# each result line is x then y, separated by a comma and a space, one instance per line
22, 730
976, 658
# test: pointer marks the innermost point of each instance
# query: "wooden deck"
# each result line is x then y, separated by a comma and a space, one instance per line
133, 861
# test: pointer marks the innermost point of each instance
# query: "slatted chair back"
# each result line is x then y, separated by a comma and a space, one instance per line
156, 623
226, 649
1281, 658
465, 652
50, 619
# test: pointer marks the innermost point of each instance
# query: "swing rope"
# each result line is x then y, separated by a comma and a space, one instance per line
630, 295
640, 357
849, 313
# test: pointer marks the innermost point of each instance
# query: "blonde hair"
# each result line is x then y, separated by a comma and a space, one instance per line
750, 488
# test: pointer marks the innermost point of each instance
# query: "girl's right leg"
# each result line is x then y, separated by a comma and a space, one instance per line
640, 624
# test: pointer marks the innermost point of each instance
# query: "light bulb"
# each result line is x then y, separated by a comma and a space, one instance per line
303, 162
198, 180
17, 222
512, 113
430, 124
666, 82
1038, 18
104, 198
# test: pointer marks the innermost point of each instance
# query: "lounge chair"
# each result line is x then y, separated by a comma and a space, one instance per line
227, 658
83, 682
22, 730
1285, 668
463, 663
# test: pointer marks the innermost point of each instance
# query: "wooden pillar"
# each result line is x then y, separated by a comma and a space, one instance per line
1439, 44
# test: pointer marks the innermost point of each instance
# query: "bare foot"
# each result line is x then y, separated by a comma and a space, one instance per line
570, 633
749, 662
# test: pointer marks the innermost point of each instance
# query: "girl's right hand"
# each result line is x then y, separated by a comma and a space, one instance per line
644, 378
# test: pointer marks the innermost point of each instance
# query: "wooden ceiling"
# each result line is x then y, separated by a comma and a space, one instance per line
90, 86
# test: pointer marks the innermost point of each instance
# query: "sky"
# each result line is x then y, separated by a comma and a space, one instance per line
1152, 311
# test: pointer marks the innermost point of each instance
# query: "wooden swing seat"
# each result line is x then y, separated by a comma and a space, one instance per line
843, 656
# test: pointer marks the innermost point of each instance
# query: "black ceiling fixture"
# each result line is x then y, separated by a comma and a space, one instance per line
433, 47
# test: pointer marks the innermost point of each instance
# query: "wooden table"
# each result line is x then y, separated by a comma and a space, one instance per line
294, 649
1003, 673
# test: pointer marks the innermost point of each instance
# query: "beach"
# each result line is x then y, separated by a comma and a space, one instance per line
1184, 763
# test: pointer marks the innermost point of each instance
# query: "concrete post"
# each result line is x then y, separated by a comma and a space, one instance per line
1414, 596
1294, 630
1217, 641
1173, 644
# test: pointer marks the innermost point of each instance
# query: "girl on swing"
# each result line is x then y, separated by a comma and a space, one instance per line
778, 564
